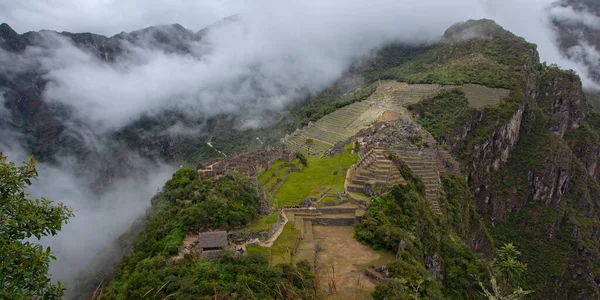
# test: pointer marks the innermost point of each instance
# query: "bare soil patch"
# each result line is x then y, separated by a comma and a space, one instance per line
349, 258
389, 115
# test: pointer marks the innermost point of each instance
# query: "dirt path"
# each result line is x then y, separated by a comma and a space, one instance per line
269, 242
186, 245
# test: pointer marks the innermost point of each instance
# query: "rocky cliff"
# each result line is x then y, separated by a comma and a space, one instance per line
531, 160
545, 156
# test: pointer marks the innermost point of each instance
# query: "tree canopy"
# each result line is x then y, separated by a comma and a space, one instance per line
23, 263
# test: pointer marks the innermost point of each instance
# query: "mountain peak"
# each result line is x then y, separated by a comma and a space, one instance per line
10, 40
475, 29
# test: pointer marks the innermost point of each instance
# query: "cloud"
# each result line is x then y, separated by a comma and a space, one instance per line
260, 63
275, 53
104, 208
100, 218
110, 17
570, 15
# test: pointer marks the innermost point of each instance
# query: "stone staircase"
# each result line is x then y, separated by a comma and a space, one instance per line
423, 164
373, 168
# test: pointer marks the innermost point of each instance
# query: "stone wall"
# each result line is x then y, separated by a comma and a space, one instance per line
338, 210
332, 221
212, 254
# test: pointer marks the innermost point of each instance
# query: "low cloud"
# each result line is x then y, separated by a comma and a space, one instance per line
569, 15
272, 54
110, 17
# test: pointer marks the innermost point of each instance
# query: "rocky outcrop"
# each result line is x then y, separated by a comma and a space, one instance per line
496, 150
562, 98
435, 266
549, 184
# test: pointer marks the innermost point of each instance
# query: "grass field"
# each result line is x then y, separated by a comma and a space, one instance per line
327, 171
284, 245
480, 96
329, 199
265, 251
263, 223
270, 171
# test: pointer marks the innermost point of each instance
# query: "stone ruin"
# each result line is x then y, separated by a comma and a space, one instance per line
247, 163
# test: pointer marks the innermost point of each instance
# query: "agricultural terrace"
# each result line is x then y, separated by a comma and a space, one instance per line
328, 171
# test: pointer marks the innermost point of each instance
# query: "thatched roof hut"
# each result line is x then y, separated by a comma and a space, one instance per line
213, 239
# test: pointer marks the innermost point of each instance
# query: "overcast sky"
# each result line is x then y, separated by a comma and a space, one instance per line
110, 17
275, 53
527, 18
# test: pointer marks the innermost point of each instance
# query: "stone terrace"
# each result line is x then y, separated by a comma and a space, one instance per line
372, 170
412, 144
390, 96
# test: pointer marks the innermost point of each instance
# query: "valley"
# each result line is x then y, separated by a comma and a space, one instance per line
461, 169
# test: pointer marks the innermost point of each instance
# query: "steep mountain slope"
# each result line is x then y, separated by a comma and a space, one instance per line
24, 81
531, 161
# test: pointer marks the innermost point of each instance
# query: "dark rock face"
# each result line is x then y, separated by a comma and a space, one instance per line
551, 183
41, 123
10, 40
496, 150
435, 265
552, 139
567, 106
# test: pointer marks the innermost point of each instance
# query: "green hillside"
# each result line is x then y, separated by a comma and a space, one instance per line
498, 193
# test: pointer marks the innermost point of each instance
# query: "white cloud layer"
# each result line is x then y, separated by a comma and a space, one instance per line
277, 52
109, 17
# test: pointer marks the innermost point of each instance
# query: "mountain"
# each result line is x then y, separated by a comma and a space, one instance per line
526, 144
519, 166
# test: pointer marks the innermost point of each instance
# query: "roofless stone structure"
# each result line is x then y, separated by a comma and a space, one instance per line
247, 163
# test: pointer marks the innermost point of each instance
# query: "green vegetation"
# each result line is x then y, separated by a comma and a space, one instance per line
403, 222
327, 171
459, 209
533, 227
190, 203
281, 251
264, 223
243, 277
263, 251
302, 159
494, 62
558, 238
267, 174
327, 102
328, 199
507, 272
186, 203
413, 180
445, 113
24, 264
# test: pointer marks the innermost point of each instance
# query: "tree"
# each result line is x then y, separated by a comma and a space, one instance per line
309, 143
23, 264
507, 267
302, 159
